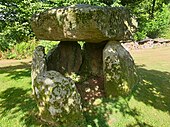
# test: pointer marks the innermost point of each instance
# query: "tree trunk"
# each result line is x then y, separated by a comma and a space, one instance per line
153, 8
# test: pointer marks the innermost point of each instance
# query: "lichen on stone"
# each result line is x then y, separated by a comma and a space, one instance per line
119, 70
56, 95
79, 22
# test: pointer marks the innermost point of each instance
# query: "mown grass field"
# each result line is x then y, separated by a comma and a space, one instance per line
147, 106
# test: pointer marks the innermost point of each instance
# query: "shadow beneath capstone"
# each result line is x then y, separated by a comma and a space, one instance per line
154, 89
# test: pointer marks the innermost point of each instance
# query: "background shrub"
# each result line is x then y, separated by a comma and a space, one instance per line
20, 50
48, 44
155, 26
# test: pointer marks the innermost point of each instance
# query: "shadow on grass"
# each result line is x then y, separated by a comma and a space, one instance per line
14, 73
123, 107
154, 89
14, 100
98, 115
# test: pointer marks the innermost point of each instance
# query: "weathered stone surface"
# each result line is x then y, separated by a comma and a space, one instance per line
57, 97
65, 58
93, 58
84, 22
119, 70
39, 66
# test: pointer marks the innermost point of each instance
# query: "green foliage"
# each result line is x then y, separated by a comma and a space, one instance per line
48, 45
20, 50
24, 49
166, 33
160, 22
151, 25
154, 27
15, 16
3, 44
91, 2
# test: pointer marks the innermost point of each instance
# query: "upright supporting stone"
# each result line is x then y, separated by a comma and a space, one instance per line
65, 58
39, 66
92, 58
119, 70
57, 97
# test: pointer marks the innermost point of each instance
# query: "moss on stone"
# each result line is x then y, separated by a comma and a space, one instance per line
57, 97
79, 22
119, 70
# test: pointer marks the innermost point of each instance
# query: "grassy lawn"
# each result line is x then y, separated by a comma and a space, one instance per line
147, 106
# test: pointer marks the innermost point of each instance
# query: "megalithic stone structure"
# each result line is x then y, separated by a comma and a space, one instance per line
101, 68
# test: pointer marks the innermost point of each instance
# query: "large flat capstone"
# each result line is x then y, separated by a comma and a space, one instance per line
84, 23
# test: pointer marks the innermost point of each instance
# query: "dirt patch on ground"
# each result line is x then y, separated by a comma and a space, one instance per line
7, 63
91, 89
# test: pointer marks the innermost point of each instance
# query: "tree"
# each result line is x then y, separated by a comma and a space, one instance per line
153, 8
152, 16
15, 16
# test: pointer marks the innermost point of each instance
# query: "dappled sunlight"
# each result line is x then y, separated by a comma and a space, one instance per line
124, 110
19, 103
154, 89
98, 115
8, 102
16, 72
16, 100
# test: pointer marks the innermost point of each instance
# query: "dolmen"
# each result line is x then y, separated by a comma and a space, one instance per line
71, 74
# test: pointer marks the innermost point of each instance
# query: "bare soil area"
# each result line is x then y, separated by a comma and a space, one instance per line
11, 62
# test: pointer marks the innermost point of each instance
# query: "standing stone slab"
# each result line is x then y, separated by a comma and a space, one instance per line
93, 58
57, 97
65, 58
39, 66
84, 23
119, 70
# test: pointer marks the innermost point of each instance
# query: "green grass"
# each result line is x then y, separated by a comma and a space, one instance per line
16, 103
147, 106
